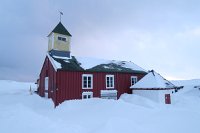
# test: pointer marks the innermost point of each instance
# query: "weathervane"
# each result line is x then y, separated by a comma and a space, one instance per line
61, 13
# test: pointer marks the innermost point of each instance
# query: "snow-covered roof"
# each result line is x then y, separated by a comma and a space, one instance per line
88, 63
93, 64
153, 80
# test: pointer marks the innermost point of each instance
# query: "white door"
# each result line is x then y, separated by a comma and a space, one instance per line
46, 86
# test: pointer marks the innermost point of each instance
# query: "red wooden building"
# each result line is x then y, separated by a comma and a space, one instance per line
65, 77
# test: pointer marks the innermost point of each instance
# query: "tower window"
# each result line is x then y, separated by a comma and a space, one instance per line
62, 39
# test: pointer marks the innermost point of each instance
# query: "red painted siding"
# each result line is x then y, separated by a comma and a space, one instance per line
70, 84
67, 85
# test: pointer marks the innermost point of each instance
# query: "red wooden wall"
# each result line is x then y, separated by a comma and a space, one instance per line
70, 84
67, 85
48, 70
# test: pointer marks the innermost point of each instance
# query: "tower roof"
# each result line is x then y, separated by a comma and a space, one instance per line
61, 29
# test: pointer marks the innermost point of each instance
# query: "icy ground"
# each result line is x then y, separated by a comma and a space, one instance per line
21, 112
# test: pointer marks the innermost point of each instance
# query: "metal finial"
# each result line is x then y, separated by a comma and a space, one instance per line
61, 13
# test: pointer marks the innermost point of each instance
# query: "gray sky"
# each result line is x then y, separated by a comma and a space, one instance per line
155, 34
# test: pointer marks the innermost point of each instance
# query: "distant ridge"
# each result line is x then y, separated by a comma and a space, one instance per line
192, 82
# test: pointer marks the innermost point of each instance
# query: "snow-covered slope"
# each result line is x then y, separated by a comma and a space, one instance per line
194, 82
21, 112
190, 87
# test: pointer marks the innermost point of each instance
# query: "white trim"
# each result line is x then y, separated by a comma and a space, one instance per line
134, 77
52, 40
69, 38
87, 94
87, 75
108, 91
52, 62
46, 87
61, 35
113, 81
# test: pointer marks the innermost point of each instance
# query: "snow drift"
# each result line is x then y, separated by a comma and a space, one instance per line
21, 112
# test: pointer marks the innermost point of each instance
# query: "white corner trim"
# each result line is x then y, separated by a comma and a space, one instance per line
52, 62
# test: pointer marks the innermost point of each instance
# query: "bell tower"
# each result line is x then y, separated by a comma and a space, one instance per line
59, 41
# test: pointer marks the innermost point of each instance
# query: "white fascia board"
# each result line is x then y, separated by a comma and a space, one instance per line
52, 62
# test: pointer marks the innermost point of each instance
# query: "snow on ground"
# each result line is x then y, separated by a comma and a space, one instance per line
21, 112
190, 93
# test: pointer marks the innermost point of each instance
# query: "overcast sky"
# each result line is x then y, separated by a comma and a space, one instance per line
154, 34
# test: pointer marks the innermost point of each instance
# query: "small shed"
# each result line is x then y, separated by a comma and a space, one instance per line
154, 87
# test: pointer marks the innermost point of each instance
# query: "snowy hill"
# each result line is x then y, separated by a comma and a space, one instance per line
193, 82
21, 112
189, 86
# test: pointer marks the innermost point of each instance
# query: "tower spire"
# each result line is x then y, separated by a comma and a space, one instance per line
61, 13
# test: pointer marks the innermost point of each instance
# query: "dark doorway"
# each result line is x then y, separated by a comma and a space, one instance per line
167, 99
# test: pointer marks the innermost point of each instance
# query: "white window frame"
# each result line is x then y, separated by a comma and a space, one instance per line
87, 75
134, 80
113, 82
46, 83
87, 94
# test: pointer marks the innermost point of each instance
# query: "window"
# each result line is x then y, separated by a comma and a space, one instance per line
87, 81
62, 39
133, 80
87, 95
109, 81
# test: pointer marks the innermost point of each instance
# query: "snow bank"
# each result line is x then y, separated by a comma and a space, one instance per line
138, 100
21, 112
190, 87
15, 87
